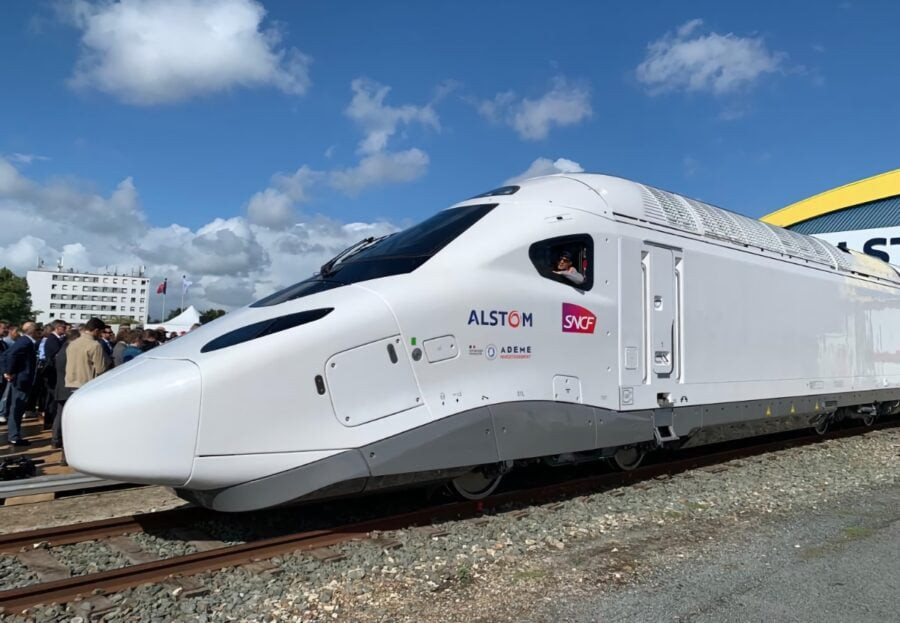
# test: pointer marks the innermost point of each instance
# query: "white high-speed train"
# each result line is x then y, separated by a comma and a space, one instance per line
468, 343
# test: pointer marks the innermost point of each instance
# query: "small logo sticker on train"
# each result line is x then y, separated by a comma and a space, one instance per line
515, 352
490, 352
500, 318
577, 319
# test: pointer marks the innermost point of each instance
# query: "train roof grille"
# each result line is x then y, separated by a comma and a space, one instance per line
682, 213
674, 209
653, 210
716, 223
827, 252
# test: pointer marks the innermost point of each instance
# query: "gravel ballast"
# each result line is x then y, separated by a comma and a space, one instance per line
562, 561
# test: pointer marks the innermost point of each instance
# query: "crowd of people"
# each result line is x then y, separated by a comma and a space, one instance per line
43, 365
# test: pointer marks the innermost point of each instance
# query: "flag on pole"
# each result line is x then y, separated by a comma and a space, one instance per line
185, 284
161, 288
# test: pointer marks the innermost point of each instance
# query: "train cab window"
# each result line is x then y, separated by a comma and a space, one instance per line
565, 259
395, 254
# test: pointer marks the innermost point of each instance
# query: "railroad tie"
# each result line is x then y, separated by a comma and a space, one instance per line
433, 532
45, 565
196, 539
262, 567
185, 588
385, 543
93, 608
326, 554
130, 549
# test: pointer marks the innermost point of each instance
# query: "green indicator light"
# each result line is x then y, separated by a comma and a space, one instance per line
412, 341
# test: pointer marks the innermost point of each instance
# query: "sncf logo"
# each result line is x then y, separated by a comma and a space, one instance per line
577, 319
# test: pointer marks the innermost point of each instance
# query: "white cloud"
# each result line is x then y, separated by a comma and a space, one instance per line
220, 248
232, 261
25, 158
545, 166
380, 121
381, 168
67, 204
690, 165
274, 206
566, 103
689, 60
149, 52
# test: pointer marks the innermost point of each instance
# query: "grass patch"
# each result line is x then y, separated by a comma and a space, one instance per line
464, 576
854, 533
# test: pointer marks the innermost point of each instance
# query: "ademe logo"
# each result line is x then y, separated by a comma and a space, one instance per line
500, 318
577, 319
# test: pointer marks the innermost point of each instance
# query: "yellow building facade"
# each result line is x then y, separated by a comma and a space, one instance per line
862, 215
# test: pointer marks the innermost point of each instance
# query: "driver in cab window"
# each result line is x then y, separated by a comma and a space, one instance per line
565, 267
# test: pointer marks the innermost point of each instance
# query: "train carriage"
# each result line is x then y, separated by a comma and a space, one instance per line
567, 317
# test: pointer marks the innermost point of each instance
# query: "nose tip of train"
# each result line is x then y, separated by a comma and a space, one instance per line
137, 423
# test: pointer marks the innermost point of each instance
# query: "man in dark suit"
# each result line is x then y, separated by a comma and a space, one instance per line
52, 346
105, 341
21, 364
12, 332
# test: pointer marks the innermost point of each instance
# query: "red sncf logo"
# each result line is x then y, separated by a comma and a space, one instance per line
577, 319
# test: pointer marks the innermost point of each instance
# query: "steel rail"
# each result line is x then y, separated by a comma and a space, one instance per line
58, 591
99, 529
18, 599
56, 484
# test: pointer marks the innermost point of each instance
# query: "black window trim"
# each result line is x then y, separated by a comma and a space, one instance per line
547, 273
265, 327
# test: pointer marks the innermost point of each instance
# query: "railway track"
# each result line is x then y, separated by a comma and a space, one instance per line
155, 571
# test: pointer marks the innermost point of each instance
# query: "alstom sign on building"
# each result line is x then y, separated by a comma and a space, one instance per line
863, 216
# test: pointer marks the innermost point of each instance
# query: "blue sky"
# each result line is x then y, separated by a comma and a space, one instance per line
193, 136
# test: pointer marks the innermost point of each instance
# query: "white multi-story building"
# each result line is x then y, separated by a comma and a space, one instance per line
76, 296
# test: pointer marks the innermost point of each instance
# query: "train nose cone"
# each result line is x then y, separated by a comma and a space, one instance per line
137, 423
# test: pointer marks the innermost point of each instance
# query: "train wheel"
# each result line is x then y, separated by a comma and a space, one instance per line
869, 419
822, 426
476, 485
628, 459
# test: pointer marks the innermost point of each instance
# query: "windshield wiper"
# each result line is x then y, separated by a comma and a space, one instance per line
328, 267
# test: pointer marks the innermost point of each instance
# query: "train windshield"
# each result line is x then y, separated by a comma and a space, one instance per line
396, 254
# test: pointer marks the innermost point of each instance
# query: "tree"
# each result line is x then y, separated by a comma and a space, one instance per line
15, 299
210, 314
173, 313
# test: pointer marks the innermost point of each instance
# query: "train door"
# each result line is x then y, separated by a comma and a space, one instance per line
661, 275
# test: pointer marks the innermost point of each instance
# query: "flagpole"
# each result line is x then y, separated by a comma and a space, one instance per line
165, 290
182, 292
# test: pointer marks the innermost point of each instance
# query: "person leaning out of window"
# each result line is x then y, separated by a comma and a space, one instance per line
565, 267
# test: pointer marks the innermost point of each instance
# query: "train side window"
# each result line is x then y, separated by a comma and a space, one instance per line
565, 259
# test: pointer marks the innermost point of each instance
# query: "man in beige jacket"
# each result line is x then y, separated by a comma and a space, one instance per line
85, 360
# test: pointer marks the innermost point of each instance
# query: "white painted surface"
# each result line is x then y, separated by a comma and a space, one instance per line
139, 424
371, 382
440, 348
